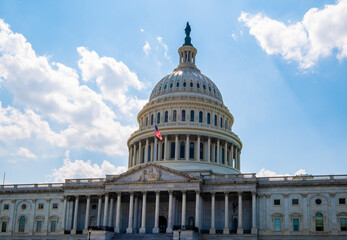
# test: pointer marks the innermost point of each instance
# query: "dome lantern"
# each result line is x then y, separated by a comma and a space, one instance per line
187, 52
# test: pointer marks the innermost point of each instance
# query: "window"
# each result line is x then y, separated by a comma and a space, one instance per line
149, 153
204, 86
319, 222
170, 85
295, 201
342, 201
94, 206
184, 84
191, 84
192, 116
222, 156
53, 225
198, 85
173, 146
166, 116
174, 116
4, 226
208, 118
183, 115
277, 224
165, 86
191, 150
295, 224
277, 202
55, 205
221, 122
24, 206
158, 117
209, 88
6, 206
200, 117
146, 121
38, 225
318, 201
343, 224
215, 120
182, 150
40, 206
152, 119
177, 84
201, 151
21, 227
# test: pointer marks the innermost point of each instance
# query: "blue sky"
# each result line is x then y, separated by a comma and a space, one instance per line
74, 74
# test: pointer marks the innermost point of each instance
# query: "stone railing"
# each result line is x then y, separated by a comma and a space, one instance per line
302, 178
230, 177
84, 180
37, 186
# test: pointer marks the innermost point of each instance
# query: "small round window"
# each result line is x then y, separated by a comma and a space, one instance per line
24, 206
318, 201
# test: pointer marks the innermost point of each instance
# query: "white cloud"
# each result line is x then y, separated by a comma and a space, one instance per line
233, 35
268, 173
166, 48
84, 169
26, 153
147, 48
314, 37
142, 30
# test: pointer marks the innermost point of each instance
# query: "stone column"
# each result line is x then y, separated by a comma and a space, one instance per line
226, 153
146, 152
268, 213
136, 209
110, 216
118, 211
183, 219
232, 156
143, 219
239, 228
213, 210
176, 147
86, 220
187, 148
209, 149
104, 222
63, 220
226, 213
139, 160
155, 149
74, 227
198, 150
334, 227
98, 218
131, 212
165, 148
305, 214
169, 214
156, 213
286, 215
218, 152
197, 209
254, 213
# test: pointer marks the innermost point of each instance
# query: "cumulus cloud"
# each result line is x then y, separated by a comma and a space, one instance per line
268, 173
314, 37
84, 169
147, 48
142, 30
26, 153
166, 48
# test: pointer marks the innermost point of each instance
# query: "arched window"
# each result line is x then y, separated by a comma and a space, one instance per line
215, 120
221, 122
158, 117
174, 116
183, 115
182, 150
21, 227
166, 116
152, 119
192, 116
200, 117
319, 222
201, 151
208, 118
173, 146
191, 150
178, 84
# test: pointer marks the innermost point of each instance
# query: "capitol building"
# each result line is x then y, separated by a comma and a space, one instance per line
182, 183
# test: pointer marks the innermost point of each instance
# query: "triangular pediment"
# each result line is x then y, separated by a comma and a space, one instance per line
150, 172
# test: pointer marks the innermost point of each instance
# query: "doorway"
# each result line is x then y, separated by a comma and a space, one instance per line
162, 224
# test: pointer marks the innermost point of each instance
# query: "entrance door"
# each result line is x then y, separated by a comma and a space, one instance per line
162, 224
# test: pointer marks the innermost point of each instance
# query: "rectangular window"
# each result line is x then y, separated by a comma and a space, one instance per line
343, 224
55, 205
277, 202
295, 224
39, 226
277, 224
40, 206
53, 225
342, 201
295, 201
3, 226
6, 206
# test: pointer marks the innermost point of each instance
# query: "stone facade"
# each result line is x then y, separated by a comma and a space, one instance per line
186, 186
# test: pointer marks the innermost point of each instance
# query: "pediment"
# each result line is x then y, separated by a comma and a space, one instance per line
150, 172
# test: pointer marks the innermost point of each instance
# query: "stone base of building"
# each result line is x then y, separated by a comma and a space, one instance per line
101, 235
226, 231
240, 231
254, 231
212, 231
186, 235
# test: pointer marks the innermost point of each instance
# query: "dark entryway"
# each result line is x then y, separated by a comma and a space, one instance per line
162, 224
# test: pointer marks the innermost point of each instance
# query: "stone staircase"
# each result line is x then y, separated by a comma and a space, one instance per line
142, 236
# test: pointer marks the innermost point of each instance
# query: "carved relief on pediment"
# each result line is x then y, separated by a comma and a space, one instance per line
150, 175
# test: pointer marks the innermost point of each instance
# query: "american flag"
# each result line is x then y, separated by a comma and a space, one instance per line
157, 133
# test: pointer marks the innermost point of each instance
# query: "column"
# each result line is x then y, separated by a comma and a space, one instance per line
305, 214
110, 215
183, 219
63, 220
198, 150
117, 229
226, 213
169, 214
176, 147
213, 206
254, 213
334, 227
136, 210
165, 148
143, 219
187, 148
146, 152
155, 155
131, 212
268, 213
239, 227
218, 152
197, 209
104, 222
286, 215
74, 228
139, 160
156, 213
209, 149
86, 220
98, 218
226, 153
233, 164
